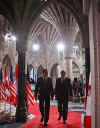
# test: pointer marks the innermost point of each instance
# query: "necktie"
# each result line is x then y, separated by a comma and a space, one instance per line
62, 80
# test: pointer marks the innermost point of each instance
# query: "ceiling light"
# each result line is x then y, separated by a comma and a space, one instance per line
36, 47
60, 47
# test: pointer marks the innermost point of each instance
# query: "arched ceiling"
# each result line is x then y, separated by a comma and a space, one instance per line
59, 16
55, 23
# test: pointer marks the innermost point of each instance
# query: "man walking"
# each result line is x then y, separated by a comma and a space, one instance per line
61, 91
43, 91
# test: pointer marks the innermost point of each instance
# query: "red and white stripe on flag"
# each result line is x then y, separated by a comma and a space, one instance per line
13, 90
13, 93
2, 94
87, 120
30, 95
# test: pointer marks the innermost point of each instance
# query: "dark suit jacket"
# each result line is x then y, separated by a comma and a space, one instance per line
62, 89
44, 88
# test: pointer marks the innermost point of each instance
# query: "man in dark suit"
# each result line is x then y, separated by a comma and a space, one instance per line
61, 91
44, 89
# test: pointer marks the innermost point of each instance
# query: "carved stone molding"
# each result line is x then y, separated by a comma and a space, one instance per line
86, 5
98, 6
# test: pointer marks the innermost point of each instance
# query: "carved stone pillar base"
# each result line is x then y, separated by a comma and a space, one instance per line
21, 115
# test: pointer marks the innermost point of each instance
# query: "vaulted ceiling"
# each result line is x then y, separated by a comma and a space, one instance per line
55, 23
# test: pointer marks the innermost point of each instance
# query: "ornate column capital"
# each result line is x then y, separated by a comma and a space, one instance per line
21, 50
98, 6
68, 58
86, 6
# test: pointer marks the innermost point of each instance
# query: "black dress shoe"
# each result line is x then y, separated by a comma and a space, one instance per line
45, 124
59, 118
64, 121
41, 120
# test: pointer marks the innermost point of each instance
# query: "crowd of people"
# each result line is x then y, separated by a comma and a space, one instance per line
77, 88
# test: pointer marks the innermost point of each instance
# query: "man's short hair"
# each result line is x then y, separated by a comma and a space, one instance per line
62, 71
45, 70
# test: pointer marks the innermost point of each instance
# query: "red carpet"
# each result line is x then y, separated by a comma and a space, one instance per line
74, 119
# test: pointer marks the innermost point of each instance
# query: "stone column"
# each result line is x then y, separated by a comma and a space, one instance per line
97, 86
69, 66
94, 32
87, 66
47, 55
22, 97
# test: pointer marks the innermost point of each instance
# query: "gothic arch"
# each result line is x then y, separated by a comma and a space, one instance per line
7, 61
30, 66
53, 71
40, 71
75, 69
54, 74
74, 64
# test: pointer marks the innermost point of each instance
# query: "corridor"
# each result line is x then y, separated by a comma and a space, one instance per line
56, 35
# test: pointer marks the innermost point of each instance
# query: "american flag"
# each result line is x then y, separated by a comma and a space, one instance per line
13, 93
30, 95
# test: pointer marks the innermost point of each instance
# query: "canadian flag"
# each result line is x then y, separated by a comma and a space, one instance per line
87, 120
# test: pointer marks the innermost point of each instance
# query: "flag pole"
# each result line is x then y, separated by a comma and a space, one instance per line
5, 99
10, 84
10, 97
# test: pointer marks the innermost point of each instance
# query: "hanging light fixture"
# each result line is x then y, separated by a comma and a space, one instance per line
60, 47
36, 47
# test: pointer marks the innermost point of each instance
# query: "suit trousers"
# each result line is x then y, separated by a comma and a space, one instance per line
63, 108
44, 105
